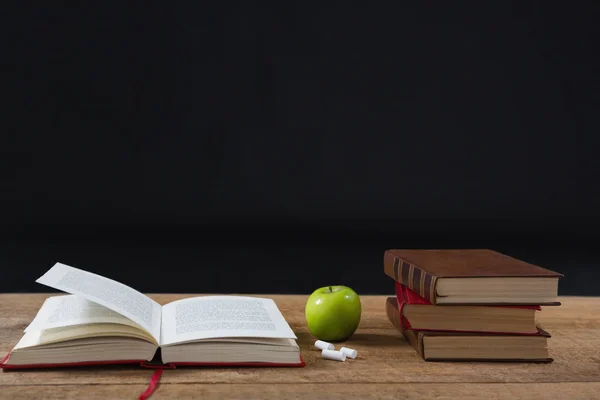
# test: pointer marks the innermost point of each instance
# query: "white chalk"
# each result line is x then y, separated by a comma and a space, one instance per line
333, 355
321, 345
350, 353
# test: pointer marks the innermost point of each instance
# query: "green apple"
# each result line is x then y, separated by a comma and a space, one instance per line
333, 313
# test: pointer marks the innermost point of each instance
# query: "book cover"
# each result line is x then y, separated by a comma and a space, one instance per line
422, 270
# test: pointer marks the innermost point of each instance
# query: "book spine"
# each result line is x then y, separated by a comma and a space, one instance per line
402, 301
405, 295
410, 275
394, 316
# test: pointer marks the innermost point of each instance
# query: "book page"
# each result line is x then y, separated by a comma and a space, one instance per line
222, 316
70, 310
114, 295
76, 333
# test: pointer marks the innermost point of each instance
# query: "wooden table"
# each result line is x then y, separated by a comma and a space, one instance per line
386, 367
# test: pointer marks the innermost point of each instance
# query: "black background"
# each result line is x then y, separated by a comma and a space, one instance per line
199, 147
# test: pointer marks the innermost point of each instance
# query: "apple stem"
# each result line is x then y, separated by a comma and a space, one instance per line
330, 289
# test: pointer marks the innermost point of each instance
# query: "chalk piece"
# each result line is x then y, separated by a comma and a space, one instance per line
321, 345
350, 353
333, 355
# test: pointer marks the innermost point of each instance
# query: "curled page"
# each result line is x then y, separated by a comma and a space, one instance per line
70, 310
109, 293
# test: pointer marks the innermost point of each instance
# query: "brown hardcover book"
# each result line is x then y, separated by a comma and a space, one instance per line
472, 277
458, 346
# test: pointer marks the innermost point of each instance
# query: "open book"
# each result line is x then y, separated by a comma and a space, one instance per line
102, 321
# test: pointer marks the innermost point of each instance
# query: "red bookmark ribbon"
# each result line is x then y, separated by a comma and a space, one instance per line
152, 385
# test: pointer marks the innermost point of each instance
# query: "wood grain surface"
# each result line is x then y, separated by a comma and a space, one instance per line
386, 366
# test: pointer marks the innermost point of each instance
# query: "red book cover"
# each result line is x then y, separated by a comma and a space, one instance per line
405, 296
147, 364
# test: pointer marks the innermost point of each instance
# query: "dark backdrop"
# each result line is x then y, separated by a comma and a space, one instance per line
198, 147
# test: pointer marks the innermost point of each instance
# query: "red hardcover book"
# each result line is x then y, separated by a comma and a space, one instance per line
418, 313
104, 322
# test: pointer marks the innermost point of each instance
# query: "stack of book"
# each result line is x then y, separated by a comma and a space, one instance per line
470, 305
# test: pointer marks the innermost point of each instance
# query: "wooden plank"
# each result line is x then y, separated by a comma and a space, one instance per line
449, 391
384, 356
